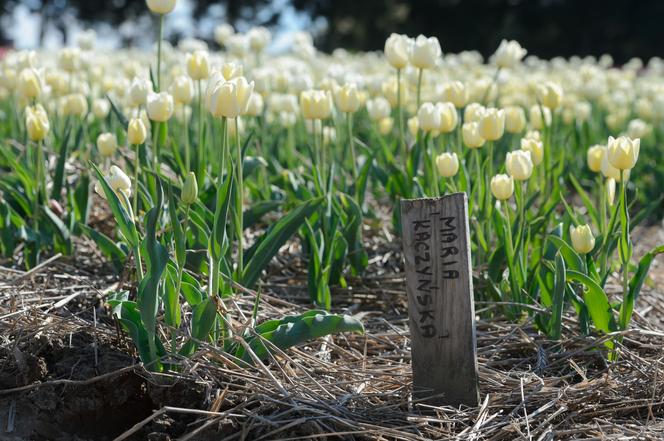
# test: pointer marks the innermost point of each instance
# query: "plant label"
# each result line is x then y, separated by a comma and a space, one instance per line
439, 284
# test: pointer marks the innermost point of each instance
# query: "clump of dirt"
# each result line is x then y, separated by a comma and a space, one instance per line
77, 388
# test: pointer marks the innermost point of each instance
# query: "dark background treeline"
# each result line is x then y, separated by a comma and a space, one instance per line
547, 28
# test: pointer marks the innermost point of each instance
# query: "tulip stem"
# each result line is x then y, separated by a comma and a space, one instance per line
38, 188
351, 141
402, 140
187, 160
201, 163
137, 164
240, 202
161, 36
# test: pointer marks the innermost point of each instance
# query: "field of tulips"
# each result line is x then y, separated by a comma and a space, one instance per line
239, 210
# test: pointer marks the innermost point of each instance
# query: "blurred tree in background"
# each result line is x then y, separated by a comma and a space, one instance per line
623, 28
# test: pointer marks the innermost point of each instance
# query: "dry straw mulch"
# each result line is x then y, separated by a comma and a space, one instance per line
59, 345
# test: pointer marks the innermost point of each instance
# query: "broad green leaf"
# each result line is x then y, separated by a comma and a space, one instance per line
596, 301
275, 238
635, 286
296, 330
559, 285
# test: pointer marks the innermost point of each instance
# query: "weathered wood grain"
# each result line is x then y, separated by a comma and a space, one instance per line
436, 247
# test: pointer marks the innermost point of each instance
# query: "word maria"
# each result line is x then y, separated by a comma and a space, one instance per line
428, 275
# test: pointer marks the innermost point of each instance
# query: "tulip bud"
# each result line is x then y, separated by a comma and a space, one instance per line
198, 65
473, 112
609, 171
535, 147
470, 133
36, 123
509, 53
29, 84
161, 6
118, 181
385, 125
160, 106
456, 93
550, 94
448, 117
69, 59
231, 70
447, 164
502, 187
100, 108
536, 120
492, 124
397, 48
378, 108
259, 37
623, 152
519, 165
229, 99
515, 119
595, 155
425, 52
139, 90
189, 189
316, 104
347, 98
583, 240
428, 118
76, 104
182, 89
107, 143
136, 132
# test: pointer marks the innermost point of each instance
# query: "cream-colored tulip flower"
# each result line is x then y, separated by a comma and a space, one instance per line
316, 104
515, 119
160, 106
448, 117
470, 132
535, 147
509, 54
595, 156
428, 117
502, 187
424, 52
550, 94
519, 165
447, 164
36, 123
107, 144
347, 98
623, 152
492, 124
136, 132
182, 89
582, 237
161, 6
397, 48
378, 108
198, 65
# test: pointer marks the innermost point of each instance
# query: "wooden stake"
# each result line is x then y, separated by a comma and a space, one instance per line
439, 283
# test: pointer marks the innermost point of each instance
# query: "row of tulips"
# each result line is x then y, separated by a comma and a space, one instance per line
193, 149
